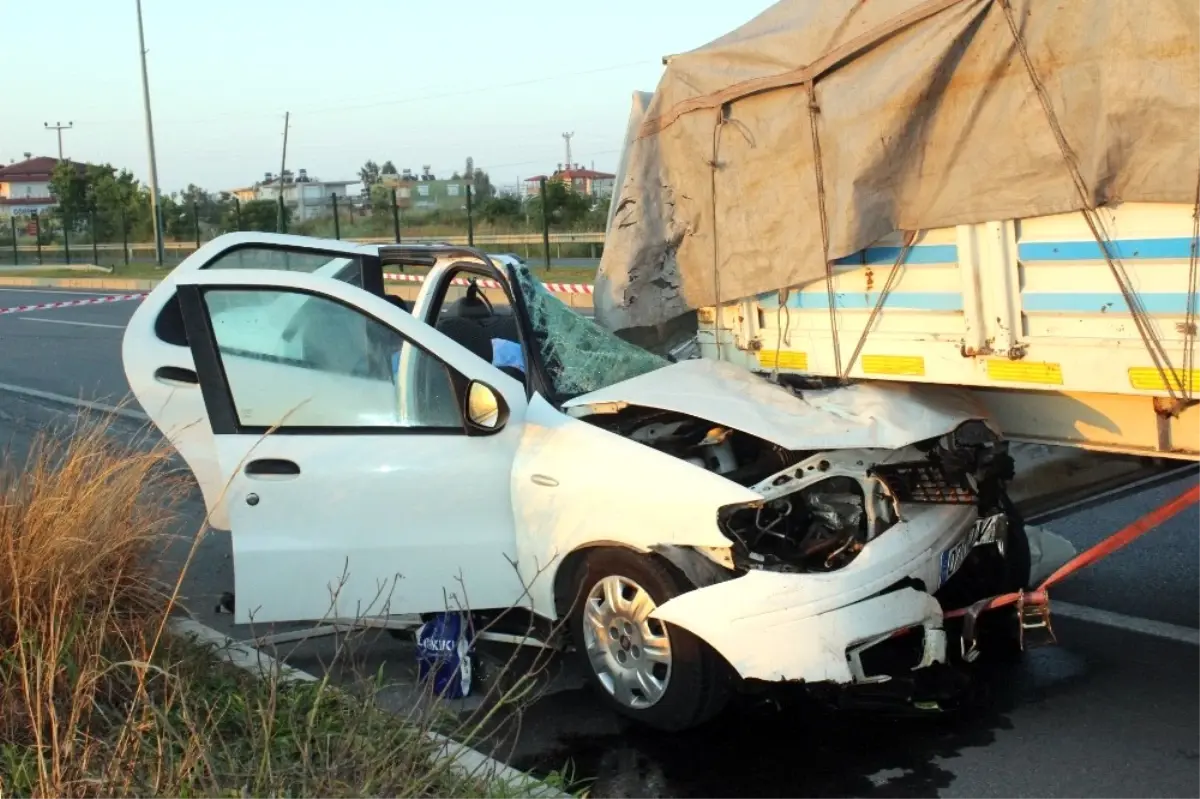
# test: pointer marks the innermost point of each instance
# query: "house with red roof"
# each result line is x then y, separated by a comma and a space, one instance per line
587, 182
25, 186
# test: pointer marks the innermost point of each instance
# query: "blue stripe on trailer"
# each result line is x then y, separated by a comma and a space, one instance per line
921, 254
1090, 250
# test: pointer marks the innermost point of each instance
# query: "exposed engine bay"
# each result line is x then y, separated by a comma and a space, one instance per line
821, 508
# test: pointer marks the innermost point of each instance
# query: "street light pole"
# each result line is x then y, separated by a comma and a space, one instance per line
158, 231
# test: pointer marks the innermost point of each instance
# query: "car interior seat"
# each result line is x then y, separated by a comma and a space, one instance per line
399, 302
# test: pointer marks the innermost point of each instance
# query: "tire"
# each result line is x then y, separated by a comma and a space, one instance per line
697, 683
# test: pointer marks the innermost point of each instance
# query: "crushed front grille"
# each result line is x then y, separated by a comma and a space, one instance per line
925, 482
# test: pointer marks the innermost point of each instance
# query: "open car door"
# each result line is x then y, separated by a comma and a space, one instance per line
339, 505
158, 363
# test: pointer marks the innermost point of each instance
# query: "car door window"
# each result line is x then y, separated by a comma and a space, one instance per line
285, 260
347, 269
297, 360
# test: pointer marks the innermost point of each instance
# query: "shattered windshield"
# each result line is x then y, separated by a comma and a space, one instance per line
579, 355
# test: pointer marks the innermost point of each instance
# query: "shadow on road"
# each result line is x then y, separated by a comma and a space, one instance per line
788, 745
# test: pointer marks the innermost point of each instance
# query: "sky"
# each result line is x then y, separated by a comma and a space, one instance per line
417, 83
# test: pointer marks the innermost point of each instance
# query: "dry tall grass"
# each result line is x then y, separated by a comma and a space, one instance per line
97, 700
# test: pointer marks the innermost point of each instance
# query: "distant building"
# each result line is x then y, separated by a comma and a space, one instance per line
588, 182
424, 192
245, 195
25, 186
306, 196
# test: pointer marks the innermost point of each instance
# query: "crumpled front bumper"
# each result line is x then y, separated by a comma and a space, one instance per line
829, 647
874, 617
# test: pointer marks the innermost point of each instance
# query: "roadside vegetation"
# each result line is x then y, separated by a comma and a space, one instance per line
99, 697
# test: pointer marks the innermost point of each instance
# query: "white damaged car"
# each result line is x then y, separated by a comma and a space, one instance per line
696, 526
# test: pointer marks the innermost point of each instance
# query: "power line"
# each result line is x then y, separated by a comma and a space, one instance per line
397, 101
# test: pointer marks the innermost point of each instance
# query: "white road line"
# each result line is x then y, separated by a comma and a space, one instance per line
1134, 624
67, 322
52, 290
50, 396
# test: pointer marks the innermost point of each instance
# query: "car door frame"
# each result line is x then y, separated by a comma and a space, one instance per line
463, 366
150, 344
447, 265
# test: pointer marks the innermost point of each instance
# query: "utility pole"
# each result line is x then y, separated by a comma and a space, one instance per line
567, 139
58, 128
158, 228
287, 115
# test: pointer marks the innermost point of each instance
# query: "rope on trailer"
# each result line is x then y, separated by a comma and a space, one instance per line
905, 248
814, 108
714, 164
1189, 321
1140, 318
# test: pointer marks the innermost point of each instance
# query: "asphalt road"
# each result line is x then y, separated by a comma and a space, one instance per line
1106, 712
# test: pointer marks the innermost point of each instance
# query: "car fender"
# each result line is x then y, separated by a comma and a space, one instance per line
575, 485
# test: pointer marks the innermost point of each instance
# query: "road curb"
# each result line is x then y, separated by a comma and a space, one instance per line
102, 283
466, 760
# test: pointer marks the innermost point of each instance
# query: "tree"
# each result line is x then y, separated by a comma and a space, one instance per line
176, 218
483, 185
116, 198
388, 168
369, 174
263, 215
565, 207
495, 209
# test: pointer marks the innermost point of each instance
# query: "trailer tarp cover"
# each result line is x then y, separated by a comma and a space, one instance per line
926, 116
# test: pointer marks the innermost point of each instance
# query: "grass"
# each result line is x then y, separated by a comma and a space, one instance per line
99, 698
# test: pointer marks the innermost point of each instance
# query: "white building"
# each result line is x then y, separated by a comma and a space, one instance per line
307, 197
25, 186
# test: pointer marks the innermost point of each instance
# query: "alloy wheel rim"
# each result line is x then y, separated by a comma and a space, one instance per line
630, 653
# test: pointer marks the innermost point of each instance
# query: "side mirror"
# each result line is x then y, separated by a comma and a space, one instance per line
486, 409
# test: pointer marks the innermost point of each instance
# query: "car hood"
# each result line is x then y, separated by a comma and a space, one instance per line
862, 416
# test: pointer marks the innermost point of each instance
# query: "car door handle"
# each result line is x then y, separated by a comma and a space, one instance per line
272, 467
176, 376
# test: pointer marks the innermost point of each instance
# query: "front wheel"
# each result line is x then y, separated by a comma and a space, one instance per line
654, 673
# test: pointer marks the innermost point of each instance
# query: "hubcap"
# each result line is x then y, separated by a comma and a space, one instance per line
629, 651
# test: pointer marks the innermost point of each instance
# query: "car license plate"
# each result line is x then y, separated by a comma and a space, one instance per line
953, 557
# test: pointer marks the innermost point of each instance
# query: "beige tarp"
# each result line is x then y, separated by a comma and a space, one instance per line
926, 116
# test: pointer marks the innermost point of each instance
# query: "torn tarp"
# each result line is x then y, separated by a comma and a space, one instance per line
926, 116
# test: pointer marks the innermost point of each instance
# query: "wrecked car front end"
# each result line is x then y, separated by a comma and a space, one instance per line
841, 568
841, 571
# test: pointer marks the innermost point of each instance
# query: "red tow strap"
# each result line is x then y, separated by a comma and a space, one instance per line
1038, 596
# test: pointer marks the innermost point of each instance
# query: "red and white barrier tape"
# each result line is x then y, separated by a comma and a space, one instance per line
554, 288
46, 306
